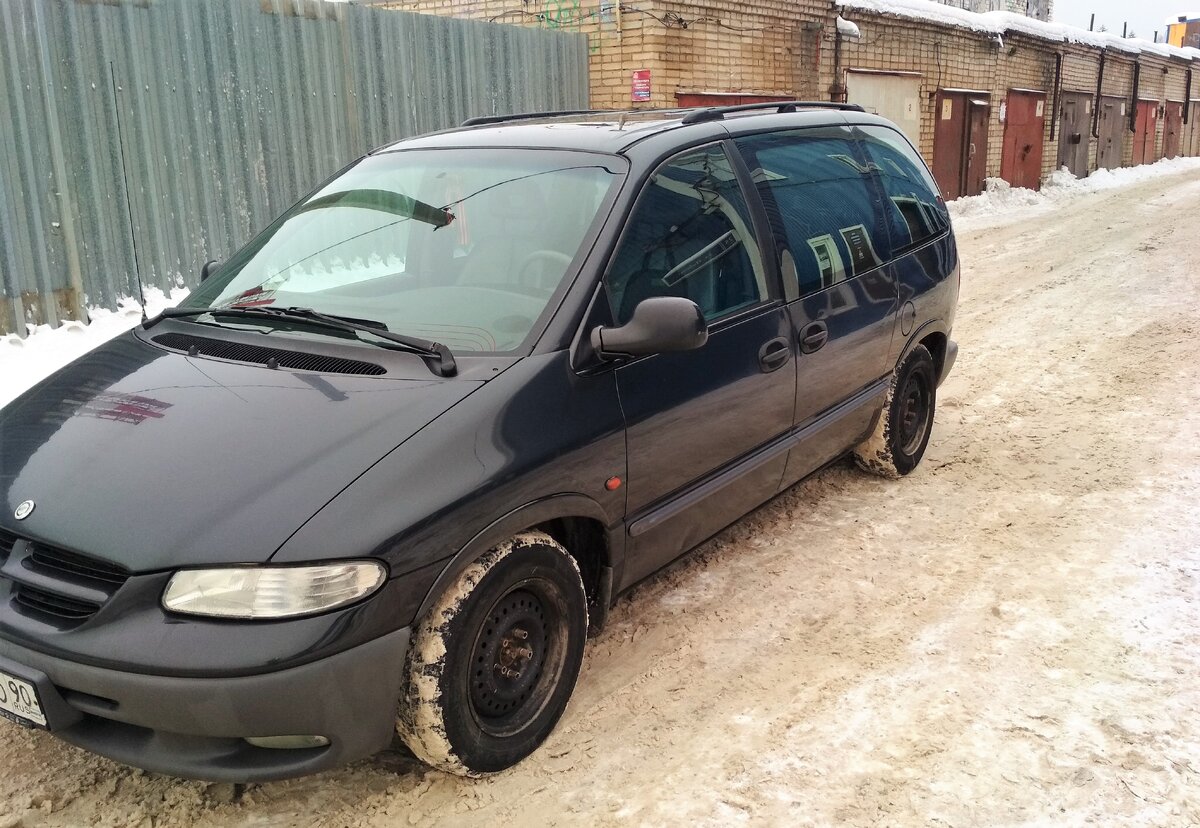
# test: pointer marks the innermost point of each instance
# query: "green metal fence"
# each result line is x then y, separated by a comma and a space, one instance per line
228, 111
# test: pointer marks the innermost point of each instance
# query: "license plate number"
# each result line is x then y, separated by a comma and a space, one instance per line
19, 699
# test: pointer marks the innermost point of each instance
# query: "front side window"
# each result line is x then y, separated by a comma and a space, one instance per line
820, 199
915, 209
690, 235
464, 247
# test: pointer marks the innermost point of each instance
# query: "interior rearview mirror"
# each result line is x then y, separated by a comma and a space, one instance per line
658, 325
209, 268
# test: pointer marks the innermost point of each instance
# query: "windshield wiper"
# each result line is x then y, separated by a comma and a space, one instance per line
439, 357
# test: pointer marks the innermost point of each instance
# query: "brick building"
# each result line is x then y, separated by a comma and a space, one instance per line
982, 95
1023, 96
1040, 9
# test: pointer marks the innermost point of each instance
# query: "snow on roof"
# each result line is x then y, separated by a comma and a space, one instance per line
1000, 23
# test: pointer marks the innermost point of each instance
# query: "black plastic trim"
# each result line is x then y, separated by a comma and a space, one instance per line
259, 355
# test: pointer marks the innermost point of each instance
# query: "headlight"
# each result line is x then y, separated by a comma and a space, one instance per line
271, 591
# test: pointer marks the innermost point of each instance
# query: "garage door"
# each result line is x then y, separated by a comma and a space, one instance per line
894, 96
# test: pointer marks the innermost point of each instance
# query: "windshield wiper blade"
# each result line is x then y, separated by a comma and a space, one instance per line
439, 357
445, 364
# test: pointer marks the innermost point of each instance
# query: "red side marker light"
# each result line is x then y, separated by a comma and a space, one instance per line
612, 484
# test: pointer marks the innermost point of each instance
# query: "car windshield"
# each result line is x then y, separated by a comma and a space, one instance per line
463, 247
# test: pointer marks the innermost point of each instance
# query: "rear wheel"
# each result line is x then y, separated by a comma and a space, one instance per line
491, 669
900, 437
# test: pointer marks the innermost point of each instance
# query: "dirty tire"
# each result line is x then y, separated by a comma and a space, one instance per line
898, 442
492, 666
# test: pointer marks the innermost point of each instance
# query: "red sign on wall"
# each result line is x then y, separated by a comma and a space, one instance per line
639, 89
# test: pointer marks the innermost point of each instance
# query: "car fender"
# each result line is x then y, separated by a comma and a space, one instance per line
924, 331
524, 517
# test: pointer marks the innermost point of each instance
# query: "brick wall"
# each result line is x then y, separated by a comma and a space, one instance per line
770, 47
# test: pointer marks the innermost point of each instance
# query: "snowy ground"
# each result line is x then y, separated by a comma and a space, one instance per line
25, 361
1011, 636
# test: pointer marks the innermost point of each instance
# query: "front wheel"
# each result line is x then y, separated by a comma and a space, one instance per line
898, 442
491, 668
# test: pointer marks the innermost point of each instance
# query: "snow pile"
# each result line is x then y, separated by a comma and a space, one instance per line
847, 29
999, 23
25, 361
1001, 200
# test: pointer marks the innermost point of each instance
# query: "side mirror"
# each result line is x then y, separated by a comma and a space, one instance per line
659, 324
208, 269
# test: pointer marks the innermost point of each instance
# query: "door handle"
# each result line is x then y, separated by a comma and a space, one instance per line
813, 337
774, 355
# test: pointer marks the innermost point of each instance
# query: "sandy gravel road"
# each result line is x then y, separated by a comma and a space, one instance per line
1011, 636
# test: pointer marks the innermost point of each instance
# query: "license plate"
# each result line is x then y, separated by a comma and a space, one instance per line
19, 700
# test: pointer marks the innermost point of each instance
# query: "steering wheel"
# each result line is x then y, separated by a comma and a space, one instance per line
534, 269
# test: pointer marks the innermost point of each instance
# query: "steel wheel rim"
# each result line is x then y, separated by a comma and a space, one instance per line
518, 657
914, 412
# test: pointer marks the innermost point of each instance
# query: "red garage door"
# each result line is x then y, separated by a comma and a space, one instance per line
1024, 139
1145, 133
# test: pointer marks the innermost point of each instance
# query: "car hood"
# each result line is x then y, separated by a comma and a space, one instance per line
154, 460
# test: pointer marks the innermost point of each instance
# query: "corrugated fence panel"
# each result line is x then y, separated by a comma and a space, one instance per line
158, 134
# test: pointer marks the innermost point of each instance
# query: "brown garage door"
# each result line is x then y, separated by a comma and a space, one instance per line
1173, 130
960, 141
1024, 139
1075, 132
1112, 124
1192, 129
1145, 133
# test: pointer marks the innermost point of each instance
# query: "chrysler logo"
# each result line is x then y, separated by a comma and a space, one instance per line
24, 510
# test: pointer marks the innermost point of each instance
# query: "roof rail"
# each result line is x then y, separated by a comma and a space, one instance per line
693, 116
717, 113
479, 120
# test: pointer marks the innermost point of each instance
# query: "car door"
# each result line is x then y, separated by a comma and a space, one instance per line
702, 426
823, 205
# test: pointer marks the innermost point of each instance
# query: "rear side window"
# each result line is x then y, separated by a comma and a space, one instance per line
690, 235
915, 210
820, 198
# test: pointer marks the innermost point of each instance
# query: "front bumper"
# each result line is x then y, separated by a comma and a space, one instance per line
193, 727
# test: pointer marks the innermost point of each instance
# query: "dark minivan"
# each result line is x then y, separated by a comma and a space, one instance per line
385, 469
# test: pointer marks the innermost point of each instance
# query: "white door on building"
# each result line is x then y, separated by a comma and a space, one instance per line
896, 97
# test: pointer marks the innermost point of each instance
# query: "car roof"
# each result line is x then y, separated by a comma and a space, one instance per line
613, 132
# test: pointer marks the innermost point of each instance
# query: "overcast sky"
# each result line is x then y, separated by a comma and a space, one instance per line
1143, 16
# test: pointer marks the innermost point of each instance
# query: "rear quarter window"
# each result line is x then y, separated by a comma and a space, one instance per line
820, 199
916, 212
